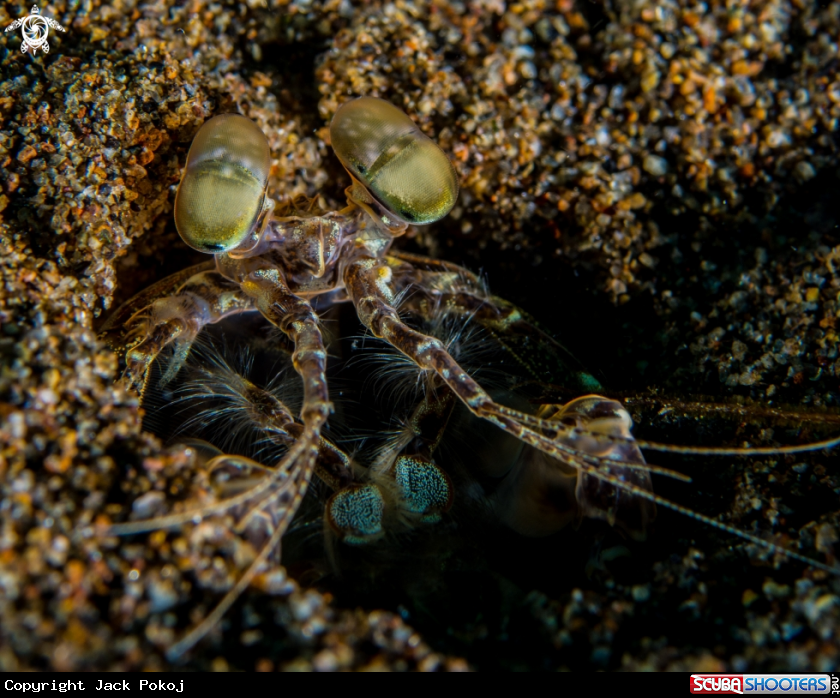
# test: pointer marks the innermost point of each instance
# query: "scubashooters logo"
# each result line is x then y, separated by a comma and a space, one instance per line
762, 684
34, 28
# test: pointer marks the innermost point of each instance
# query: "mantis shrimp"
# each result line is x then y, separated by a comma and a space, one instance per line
568, 461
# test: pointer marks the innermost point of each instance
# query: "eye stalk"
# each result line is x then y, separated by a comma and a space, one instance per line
398, 164
222, 191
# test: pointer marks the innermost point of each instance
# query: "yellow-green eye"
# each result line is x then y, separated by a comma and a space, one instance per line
222, 192
397, 163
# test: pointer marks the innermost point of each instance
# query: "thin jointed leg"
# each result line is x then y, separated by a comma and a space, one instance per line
283, 490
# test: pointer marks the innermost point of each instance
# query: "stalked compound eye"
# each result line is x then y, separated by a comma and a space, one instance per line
222, 192
385, 151
355, 513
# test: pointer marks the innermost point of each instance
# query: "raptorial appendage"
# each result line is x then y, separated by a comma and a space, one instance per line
277, 492
170, 315
534, 492
374, 285
543, 494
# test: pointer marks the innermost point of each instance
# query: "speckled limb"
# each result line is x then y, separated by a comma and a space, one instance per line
117, 325
456, 291
296, 318
374, 286
172, 312
266, 291
430, 264
286, 488
369, 284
